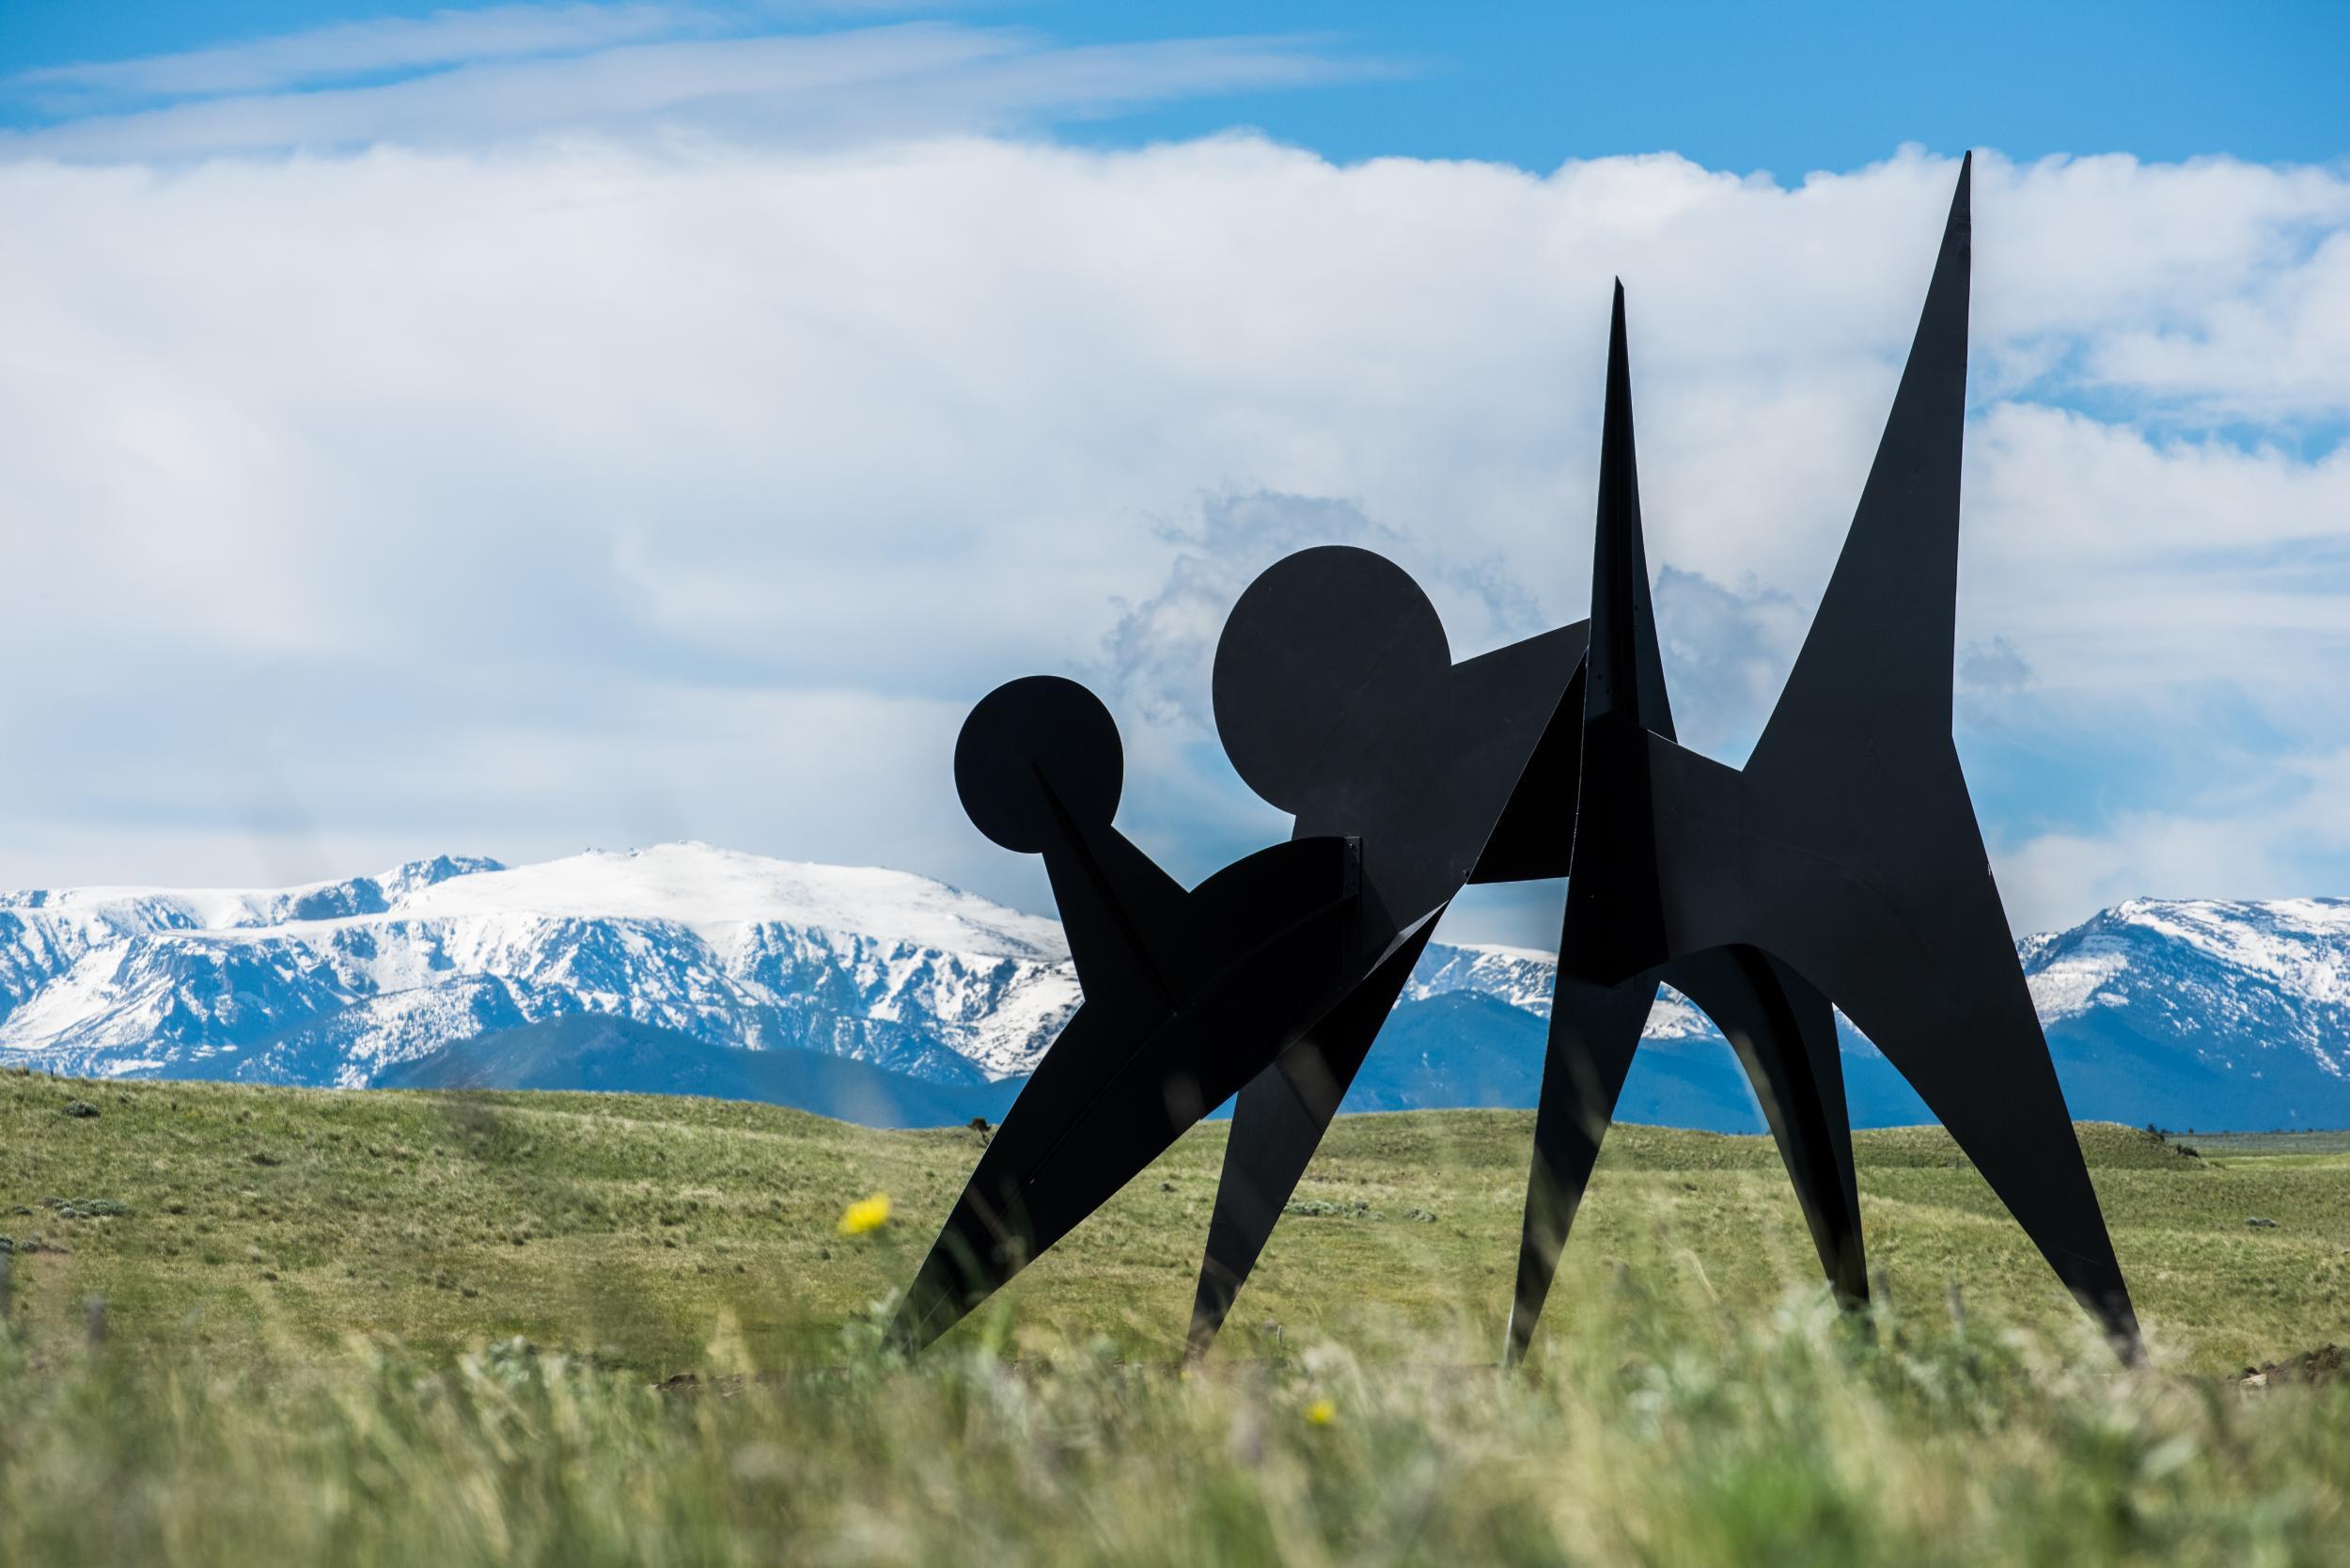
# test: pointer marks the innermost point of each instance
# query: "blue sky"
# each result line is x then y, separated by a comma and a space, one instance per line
509, 429
1789, 87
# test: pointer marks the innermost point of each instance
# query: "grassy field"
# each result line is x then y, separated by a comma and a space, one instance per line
378, 1327
2265, 1144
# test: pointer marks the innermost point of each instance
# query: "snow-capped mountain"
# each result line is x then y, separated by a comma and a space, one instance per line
2280, 971
1525, 977
2202, 1014
2190, 1013
333, 982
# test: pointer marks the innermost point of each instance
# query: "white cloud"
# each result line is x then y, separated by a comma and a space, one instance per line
2275, 349
1727, 651
2277, 832
512, 81
2137, 569
570, 492
1159, 654
351, 49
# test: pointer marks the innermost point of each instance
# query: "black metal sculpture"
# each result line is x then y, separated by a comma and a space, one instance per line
1844, 858
1843, 862
1337, 699
1178, 985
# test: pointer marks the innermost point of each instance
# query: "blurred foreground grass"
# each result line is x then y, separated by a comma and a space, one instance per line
395, 1328
1791, 1437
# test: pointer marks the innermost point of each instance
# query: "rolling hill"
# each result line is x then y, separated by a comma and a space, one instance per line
618, 1056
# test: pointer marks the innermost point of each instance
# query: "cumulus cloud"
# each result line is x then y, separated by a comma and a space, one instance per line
1160, 652
560, 492
1992, 666
1727, 651
2279, 830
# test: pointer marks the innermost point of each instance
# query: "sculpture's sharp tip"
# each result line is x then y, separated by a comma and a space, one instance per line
1518, 1336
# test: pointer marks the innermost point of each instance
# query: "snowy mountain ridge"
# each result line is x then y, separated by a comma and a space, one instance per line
2237, 985
2283, 963
333, 982
2158, 1009
1525, 977
2192, 1013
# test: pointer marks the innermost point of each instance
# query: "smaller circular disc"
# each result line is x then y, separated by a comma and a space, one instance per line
1027, 733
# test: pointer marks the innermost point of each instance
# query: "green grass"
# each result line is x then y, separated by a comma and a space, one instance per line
266, 1222
314, 1299
2265, 1143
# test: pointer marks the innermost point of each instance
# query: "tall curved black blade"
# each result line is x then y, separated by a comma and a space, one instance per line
1875, 668
1857, 784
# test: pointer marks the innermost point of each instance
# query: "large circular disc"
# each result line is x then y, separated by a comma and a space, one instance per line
1310, 663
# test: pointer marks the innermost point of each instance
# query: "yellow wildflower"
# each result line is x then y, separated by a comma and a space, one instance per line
865, 1215
1322, 1412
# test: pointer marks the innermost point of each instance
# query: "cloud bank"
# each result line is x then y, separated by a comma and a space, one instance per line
659, 71
594, 489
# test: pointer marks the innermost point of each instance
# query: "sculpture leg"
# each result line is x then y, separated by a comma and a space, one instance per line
1001, 1221
1992, 1085
1875, 889
1278, 1124
1784, 1032
1956, 1019
1114, 1092
1593, 1031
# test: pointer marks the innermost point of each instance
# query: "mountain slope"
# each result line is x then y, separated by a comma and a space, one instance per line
333, 982
2204, 1014
2208, 1014
2213, 1014
619, 1055
1462, 1048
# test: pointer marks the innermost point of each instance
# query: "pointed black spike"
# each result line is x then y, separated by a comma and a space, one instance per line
1878, 655
1626, 675
1615, 923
